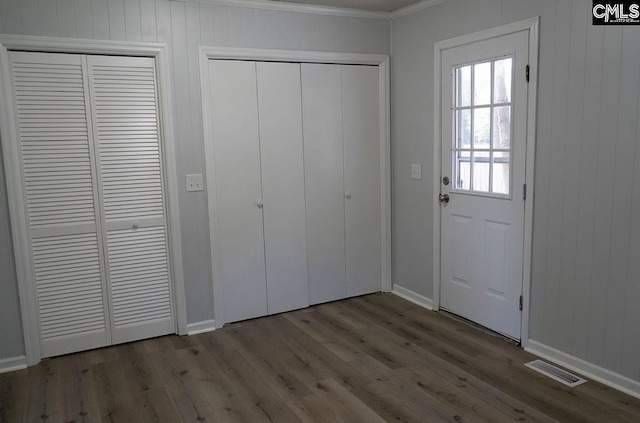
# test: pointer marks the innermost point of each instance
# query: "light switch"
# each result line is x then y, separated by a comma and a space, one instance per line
194, 182
416, 171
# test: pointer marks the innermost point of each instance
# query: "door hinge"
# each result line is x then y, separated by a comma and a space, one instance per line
527, 73
524, 191
521, 302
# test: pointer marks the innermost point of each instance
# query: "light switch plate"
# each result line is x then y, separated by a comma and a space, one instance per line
194, 182
416, 171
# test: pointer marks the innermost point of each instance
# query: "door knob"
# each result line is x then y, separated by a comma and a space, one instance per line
259, 203
444, 198
347, 195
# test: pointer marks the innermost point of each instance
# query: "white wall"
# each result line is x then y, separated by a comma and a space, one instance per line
184, 26
586, 242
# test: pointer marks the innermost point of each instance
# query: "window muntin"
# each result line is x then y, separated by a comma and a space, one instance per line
482, 123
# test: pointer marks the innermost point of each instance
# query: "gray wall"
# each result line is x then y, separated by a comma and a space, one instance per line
184, 27
11, 344
586, 242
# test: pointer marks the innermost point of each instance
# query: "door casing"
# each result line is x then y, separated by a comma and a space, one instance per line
531, 26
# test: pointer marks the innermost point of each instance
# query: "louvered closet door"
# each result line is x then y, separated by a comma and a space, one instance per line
61, 199
125, 114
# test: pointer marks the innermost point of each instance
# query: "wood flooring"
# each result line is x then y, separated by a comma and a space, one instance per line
376, 358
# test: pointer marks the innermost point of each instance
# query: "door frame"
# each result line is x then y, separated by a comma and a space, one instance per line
532, 26
17, 205
297, 56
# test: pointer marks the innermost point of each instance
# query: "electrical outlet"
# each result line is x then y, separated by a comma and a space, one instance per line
416, 171
194, 182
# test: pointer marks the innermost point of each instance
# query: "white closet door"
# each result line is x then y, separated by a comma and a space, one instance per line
323, 157
124, 105
361, 132
281, 149
59, 187
234, 109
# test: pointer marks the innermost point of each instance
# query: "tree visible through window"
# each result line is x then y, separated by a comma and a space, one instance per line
482, 126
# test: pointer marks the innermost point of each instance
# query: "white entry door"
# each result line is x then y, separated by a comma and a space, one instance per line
483, 110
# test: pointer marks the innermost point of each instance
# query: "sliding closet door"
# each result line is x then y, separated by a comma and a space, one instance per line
241, 261
324, 183
361, 132
281, 150
61, 200
125, 112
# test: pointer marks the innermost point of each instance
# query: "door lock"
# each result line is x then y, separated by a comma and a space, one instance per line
445, 180
444, 198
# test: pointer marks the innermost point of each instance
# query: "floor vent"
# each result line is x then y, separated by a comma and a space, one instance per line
556, 373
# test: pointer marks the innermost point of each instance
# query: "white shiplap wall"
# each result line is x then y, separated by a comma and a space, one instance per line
586, 248
184, 26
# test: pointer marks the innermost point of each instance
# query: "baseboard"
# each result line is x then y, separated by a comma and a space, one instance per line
409, 295
201, 327
589, 370
13, 363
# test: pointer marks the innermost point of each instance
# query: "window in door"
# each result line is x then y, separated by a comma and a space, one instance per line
483, 95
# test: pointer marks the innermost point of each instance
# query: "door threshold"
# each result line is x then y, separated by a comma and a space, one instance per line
478, 326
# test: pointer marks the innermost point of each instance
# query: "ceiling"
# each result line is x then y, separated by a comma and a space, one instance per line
372, 5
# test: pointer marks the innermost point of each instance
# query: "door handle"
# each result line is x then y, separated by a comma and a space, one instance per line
444, 198
259, 203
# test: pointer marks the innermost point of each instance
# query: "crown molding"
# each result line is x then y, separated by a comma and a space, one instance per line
413, 8
295, 7
284, 6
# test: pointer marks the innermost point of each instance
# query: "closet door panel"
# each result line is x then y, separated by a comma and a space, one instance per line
140, 286
61, 200
361, 131
234, 109
125, 114
281, 149
323, 158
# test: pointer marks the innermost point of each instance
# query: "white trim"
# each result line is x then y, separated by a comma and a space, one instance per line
17, 212
532, 123
413, 8
284, 6
80, 46
415, 298
385, 173
301, 56
437, 159
13, 363
530, 25
380, 60
523, 25
201, 327
9, 135
590, 370
347, 12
